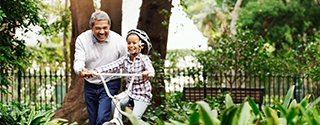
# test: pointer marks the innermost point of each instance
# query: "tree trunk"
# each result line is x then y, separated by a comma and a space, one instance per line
154, 19
114, 9
65, 51
73, 107
233, 31
234, 18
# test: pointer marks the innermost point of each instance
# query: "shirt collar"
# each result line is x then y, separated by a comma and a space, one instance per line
138, 57
94, 40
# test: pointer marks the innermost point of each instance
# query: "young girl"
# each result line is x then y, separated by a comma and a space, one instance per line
136, 62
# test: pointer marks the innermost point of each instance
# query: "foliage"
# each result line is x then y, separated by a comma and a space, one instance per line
228, 56
157, 63
212, 17
22, 114
174, 57
287, 113
251, 55
284, 23
53, 52
16, 15
174, 108
62, 20
247, 55
169, 109
207, 15
46, 57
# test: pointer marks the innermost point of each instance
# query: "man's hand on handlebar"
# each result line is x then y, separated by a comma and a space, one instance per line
92, 72
87, 73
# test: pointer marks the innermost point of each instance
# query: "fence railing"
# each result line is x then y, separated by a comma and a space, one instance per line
43, 89
275, 85
46, 89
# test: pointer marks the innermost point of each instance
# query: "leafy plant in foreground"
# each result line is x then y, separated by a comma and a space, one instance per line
18, 114
290, 112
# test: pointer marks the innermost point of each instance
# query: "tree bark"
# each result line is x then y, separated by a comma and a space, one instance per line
65, 51
114, 9
233, 31
234, 18
73, 107
154, 19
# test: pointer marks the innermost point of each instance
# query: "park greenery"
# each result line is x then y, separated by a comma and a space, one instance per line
285, 24
14, 52
288, 112
273, 37
214, 111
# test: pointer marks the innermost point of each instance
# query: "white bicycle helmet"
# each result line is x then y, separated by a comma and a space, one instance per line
145, 40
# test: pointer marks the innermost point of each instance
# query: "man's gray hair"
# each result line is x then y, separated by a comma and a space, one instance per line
99, 15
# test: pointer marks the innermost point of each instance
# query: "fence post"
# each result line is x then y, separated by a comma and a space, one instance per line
297, 89
19, 85
204, 84
67, 79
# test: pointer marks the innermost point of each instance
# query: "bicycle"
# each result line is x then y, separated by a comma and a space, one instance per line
117, 120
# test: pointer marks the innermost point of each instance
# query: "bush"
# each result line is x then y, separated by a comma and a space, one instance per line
201, 113
23, 114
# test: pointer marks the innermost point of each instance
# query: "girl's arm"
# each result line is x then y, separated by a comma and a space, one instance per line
148, 67
113, 66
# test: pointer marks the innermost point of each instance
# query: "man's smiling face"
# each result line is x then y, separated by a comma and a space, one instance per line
101, 30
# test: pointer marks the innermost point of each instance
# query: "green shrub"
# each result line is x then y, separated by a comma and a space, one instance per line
289, 112
24, 114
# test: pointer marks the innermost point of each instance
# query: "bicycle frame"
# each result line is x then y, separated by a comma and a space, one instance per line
117, 98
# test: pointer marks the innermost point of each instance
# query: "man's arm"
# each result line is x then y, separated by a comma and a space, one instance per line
79, 58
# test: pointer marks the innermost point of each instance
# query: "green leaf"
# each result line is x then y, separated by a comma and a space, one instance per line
194, 118
55, 121
215, 116
229, 101
316, 116
293, 103
306, 116
304, 102
254, 107
282, 109
282, 121
228, 115
134, 119
292, 113
173, 122
37, 120
244, 116
315, 102
205, 113
288, 96
271, 116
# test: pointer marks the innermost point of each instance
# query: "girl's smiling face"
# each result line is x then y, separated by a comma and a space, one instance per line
133, 42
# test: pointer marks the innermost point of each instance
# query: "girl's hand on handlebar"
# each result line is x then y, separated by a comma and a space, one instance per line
145, 74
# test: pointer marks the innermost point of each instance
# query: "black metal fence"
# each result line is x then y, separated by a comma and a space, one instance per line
44, 89
275, 85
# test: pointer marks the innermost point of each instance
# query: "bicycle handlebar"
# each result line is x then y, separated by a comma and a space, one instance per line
120, 74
